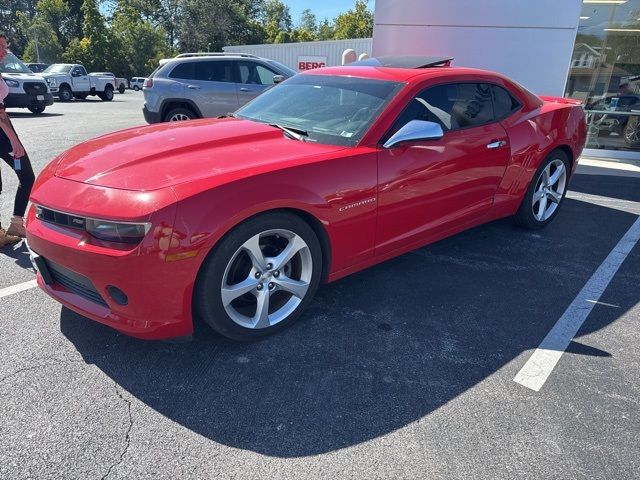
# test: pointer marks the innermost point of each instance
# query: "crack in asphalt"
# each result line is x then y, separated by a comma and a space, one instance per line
35, 367
127, 436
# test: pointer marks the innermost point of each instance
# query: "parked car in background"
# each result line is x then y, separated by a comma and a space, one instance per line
616, 114
207, 85
37, 67
136, 83
236, 221
26, 89
68, 81
118, 83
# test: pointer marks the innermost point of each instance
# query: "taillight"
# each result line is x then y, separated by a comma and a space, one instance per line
148, 83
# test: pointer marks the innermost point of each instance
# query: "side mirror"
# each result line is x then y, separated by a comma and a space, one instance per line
414, 131
278, 78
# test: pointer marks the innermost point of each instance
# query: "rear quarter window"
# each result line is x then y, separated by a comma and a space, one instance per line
504, 104
185, 71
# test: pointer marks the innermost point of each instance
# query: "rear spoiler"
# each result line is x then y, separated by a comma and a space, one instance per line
562, 100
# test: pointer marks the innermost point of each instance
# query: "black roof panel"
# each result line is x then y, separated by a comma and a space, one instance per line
404, 62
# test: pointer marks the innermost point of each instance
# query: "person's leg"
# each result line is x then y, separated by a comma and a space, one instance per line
26, 179
4, 238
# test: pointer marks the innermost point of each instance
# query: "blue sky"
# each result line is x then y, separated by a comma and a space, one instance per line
324, 8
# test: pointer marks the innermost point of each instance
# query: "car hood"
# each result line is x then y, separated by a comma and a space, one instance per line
158, 156
29, 77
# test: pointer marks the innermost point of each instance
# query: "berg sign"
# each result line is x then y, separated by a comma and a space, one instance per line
306, 62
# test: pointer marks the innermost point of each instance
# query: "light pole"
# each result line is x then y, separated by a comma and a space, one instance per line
209, 47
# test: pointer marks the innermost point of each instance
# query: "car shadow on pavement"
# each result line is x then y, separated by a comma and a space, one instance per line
379, 349
19, 253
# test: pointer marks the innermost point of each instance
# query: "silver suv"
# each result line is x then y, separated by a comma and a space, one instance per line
207, 85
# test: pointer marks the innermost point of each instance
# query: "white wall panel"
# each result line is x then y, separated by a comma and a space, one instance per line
530, 41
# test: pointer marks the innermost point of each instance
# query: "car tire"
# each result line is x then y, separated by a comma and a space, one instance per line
248, 287
136, 88
107, 95
546, 192
179, 115
65, 94
36, 110
631, 132
121, 89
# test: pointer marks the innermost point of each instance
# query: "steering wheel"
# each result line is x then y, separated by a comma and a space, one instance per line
360, 114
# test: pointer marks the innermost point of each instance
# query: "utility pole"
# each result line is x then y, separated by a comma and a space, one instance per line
35, 36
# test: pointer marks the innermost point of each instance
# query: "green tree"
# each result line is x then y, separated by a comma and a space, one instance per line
326, 30
95, 47
12, 22
277, 21
138, 45
355, 23
307, 30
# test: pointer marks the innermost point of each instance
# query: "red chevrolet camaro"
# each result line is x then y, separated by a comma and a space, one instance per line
237, 220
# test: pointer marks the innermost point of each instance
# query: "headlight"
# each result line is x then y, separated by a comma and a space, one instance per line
51, 81
12, 83
117, 231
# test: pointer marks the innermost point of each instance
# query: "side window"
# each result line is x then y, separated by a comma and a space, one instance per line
214, 71
453, 106
78, 72
504, 103
266, 75
184, 71
253, 73
82, 71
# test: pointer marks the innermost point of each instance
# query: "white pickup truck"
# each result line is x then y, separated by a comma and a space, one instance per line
67, 81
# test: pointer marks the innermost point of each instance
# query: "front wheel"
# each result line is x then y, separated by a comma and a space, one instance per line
36, 110
545, 193
65, 94
631, 132
260, 277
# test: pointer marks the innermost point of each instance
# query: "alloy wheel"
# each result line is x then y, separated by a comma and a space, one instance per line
179, 117
266, 279
550, 188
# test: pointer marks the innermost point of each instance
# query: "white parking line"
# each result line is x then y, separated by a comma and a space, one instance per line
21, 287
542, 362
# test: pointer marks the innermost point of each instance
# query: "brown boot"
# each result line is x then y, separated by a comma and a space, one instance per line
6, 239
16, 228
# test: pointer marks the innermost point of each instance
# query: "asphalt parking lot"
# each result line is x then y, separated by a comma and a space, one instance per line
405, 370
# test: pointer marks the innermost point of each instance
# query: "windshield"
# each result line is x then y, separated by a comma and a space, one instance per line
11, 64
58, 68
330, 109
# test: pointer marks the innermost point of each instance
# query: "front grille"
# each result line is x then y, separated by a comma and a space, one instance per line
59, 218
35, 88
76, 283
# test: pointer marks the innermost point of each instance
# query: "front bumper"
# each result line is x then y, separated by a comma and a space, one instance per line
81, 270
25, 100
151, 117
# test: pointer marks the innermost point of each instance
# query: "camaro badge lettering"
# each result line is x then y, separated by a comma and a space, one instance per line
357, 204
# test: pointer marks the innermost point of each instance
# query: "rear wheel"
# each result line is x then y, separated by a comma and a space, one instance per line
121, 88
545, 193
107, 95
179, 115
260, 277
136, 88
36, 110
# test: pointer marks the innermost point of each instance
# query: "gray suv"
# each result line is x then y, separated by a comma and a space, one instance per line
207, 85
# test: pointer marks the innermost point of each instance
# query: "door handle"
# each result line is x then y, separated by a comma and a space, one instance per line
244, 89
496, 144
193, 87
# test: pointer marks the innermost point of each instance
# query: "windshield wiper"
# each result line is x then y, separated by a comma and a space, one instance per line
295, 133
